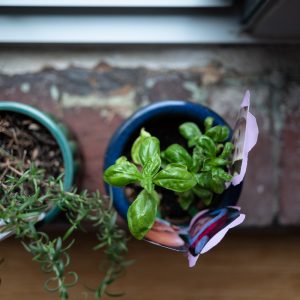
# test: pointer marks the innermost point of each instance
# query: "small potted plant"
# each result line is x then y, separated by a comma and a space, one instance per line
30, 135
36, 174
180, 192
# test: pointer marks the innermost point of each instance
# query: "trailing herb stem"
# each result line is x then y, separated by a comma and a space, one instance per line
25, 198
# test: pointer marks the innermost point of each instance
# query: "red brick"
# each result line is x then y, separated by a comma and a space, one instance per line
168, 87
93, 133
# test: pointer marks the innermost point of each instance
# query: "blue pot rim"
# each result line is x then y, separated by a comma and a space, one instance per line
135, 122
57, 134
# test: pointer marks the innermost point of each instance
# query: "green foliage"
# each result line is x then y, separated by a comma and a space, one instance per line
146, 154
135, 149
197, 173
218, 133
26, 195
122, 173
142, 213
148, 149
211, 158
175, 177
207, 145
177, 154
191, 132
186, 199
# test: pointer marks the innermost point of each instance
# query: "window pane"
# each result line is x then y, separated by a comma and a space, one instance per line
121, 3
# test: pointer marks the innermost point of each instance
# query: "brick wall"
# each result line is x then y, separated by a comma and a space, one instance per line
94, 89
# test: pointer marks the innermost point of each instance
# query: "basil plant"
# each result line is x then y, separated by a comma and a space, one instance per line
194, 174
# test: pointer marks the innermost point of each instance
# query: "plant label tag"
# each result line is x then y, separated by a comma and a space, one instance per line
209, 227
205, 231
244, 138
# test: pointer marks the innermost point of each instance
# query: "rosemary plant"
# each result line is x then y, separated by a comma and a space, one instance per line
26, 195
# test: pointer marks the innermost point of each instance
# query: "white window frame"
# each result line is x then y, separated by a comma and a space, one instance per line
71, 22
116, 3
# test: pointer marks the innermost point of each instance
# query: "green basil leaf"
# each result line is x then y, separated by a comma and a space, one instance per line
135, 149
175, 177
217, 183
121, 160
209, 164
149, 148
219, 162
227, 150
177, 154
186, 199
218, 186
190, 131
201, 192
220, 147
198, 159
205, 195
220, 173
164, 161
213, 181
121, 173
147, 184
193, 142
218, 133
142, 213
208, 123
152, 166
208, 145
204, 180
207, 201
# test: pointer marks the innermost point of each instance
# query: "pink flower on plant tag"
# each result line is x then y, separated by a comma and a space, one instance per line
209, 227
166, 235
244, 138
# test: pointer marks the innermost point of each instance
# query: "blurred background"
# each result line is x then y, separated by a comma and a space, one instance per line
92, 63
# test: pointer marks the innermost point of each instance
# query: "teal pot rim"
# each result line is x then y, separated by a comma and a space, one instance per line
59, 137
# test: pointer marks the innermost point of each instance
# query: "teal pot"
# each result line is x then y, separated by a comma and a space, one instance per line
162, 120
60, 134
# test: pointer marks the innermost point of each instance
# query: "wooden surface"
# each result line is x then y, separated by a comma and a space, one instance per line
247, 265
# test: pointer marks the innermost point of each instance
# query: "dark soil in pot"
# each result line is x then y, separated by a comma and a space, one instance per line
25, 141
167, 131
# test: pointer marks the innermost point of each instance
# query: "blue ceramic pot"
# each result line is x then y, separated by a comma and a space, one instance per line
162, 120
